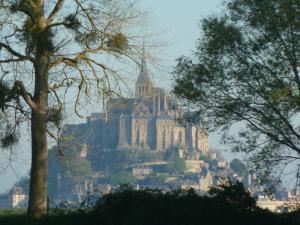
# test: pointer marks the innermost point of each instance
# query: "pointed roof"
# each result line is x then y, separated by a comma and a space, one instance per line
144, 77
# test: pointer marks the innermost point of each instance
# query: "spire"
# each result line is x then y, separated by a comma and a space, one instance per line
143, 86
143, 61
144, 76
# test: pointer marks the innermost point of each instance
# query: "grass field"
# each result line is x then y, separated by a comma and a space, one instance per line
12, 212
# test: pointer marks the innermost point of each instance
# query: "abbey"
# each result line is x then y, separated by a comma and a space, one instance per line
149, 121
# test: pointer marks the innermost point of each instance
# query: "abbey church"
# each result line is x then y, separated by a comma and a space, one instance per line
149, 121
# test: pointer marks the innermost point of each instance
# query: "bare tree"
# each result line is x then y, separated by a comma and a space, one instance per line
50, 48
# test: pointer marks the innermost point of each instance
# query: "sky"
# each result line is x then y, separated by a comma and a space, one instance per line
178, 24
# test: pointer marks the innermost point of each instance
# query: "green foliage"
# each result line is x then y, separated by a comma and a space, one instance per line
9, 137
246, 73
70, 164
32, 37
205, 158
74, 218
78, 168
234, 194
121, 177
175, 207
170, 155
121, 159
8, 140
161, 174
9, 126
176, 163
55, 116
179, 165
227, 205
5, 94
12, 212
72, 22
239, 167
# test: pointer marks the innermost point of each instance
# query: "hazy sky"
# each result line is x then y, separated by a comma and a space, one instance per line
179, 22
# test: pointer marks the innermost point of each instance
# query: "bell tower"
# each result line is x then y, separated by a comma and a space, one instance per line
143, 85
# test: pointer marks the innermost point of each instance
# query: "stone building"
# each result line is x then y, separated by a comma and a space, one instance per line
18, 197
149, 121
15, 198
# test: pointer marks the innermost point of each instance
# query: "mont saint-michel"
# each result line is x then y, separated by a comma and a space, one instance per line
136, 112
145, 141
147, 122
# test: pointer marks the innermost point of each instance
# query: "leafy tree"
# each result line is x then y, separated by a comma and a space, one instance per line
121, 177
176, 163
78, 168
246, 73
49, 49
234, 194
239, 167
179, 164
204, 157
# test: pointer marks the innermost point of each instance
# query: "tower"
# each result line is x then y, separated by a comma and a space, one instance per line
143, 85
202, 136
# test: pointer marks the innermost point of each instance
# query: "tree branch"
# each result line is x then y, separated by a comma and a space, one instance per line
58, 24
15, 53
20, 88
87, 15
55, 10
12, 60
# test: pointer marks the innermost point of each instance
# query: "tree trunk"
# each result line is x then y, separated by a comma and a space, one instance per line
37, 205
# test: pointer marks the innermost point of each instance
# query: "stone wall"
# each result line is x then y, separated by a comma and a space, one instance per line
202, 140
124, 132
179, 136
139, 133
164, 133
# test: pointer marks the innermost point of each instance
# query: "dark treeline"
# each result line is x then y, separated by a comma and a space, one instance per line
125, 206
